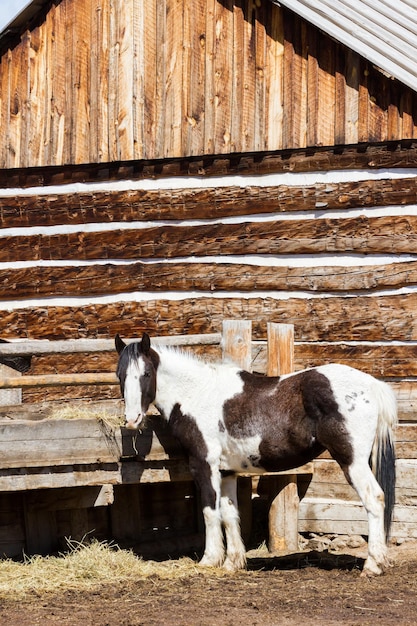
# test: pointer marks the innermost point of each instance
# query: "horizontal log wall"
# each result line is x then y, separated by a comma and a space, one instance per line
142, 79
333, 255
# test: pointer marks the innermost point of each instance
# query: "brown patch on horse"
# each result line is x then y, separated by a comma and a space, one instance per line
299, 418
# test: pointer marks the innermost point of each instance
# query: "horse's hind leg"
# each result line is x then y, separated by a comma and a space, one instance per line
360, 475
235, 549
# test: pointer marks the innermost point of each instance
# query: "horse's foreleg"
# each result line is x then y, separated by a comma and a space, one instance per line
235, 549
208, 479
372, 496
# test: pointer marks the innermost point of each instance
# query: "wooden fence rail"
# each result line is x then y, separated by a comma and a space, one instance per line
59, 380
42, 346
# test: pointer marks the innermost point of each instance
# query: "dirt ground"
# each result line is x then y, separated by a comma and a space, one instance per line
307, 589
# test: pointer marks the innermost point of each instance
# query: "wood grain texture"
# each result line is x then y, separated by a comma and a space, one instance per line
396, 234
130, 205
317, 319
96, 280
156, 80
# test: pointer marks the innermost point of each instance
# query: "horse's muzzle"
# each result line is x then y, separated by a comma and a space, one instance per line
134, 424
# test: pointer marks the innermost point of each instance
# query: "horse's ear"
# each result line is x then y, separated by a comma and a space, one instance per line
119, 343
146, 343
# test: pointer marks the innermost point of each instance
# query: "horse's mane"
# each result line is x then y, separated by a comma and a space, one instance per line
188, 359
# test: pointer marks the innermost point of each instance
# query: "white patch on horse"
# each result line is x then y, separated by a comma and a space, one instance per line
215, 381
238, 454
133, 408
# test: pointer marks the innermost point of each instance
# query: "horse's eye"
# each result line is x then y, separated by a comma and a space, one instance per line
147, 374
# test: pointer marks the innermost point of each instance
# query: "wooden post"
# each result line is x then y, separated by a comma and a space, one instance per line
283, 513
280, 349
237, 342
237, 347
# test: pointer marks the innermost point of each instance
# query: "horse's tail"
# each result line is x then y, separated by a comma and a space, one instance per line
382, 459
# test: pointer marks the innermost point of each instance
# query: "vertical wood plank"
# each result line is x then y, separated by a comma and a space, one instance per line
352, 70
302, 111
138, 78
237, 342
223, 26
209, 116
153, 48
70, 132
406, 113
82, 96
340, 97
260, 78
283, 515
58, 93
327, 93
378, 107
288, 69
363, 109
247, 67
125, 80
280, 349
283, 512
166, 56
194, 73
174, 80
237, 79
274, 77
26, 88
102, 79
14, 112
4, 106
47, 96
312, 88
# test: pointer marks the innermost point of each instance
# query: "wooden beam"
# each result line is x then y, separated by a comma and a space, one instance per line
383, 318
109, 278
69, 346
58, 380
374, 234
207, 203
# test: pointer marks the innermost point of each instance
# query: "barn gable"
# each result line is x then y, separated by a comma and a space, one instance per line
133, 80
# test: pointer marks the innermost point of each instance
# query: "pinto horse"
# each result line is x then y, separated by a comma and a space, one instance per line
231, 421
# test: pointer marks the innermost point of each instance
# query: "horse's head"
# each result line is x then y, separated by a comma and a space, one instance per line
136, 370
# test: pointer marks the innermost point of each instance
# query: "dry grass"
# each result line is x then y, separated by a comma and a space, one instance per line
87, 567
112, 419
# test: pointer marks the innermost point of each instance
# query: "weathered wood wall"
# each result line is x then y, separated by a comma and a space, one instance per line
141, 79
331, 251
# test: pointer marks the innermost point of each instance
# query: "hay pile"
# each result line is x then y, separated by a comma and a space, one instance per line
87, 567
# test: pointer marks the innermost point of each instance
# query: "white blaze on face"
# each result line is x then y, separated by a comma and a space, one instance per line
133, 395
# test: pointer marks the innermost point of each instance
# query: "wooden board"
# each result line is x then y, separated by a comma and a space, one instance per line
82, 441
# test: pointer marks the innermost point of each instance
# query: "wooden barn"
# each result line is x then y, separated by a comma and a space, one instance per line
168, 165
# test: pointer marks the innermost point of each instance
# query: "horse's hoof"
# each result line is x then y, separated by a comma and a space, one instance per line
234, 565
369, 571
210, 562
